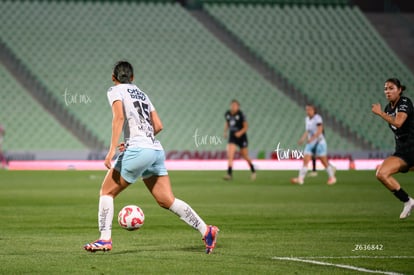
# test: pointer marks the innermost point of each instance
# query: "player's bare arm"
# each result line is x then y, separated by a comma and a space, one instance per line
396, 121
156, 122
242, 130
226, 129
117, 125
303, 138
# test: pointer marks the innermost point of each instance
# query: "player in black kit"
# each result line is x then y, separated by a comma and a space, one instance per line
399, 113
236, 125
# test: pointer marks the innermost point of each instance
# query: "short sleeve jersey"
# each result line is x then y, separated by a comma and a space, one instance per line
312, 127
404, 136
235, 121
138, 129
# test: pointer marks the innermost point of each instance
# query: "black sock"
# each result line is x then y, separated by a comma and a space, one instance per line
313, 165
229, 170
252, 168
401, 195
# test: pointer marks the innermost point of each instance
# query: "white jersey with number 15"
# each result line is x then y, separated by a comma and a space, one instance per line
138, 129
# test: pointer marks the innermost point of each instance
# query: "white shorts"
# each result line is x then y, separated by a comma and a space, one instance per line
140, 162
319, 149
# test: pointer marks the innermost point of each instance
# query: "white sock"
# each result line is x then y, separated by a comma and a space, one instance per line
105, 216
188, 215
302, 172
330, 171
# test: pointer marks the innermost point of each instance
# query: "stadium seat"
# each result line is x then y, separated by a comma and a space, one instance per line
27, 124
190, 76
332, 54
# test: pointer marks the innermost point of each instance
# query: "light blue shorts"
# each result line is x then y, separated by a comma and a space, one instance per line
319, 150
140, 162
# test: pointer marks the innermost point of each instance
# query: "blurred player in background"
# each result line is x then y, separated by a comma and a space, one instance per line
235, 128
141, 156
399, 114
315, 145
3, 160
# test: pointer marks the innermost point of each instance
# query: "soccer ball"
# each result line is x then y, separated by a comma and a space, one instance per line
131, 217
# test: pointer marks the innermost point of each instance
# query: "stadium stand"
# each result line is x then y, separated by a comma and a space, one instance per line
190, 76
28, 126
332, 54
279, 2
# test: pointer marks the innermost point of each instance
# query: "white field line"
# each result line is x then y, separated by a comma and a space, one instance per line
357, 257
360, 269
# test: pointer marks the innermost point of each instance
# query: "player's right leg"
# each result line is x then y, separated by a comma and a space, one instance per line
231, 150
313, 173
160, 188
158, 183
389, 167
329, 169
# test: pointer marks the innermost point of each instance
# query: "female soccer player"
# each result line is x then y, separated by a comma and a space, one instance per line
141, 156
315, 145
399, 113
236, 125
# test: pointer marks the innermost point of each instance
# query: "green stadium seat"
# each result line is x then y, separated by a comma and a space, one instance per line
330, 53
28, 125
190, 76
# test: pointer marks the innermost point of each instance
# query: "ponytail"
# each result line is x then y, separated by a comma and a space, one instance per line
123, 72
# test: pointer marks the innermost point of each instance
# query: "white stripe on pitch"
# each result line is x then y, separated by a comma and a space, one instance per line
360, 269
358, 257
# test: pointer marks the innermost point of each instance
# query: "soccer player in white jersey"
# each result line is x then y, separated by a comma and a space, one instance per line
315, 145
141, 156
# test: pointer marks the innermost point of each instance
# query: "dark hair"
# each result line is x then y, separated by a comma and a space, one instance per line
235, 101
123, 71
397, 83
313, 107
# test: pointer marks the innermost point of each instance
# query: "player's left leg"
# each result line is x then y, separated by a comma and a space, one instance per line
321, 152
128, 167
112, 185
244, 152
160, 188
385, 172
329, 169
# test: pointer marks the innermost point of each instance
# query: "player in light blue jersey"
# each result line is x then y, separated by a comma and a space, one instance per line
141, 156
315, 145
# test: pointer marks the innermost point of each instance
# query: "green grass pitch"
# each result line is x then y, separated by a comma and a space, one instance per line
46, 217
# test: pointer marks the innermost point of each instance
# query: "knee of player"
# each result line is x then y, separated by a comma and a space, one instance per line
165, 203
381, 174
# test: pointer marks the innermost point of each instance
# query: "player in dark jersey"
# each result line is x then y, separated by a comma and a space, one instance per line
399, 113
236, 126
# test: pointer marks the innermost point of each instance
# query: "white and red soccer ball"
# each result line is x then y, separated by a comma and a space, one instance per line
131, 217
